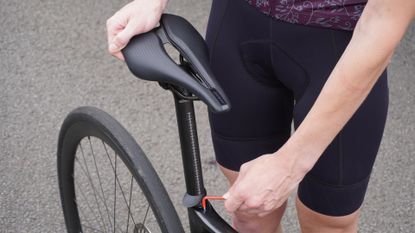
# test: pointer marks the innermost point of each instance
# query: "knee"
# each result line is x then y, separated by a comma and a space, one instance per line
253, 224
329, 225
311, 221
243, 223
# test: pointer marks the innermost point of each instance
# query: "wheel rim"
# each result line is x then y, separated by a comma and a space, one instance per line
106, 196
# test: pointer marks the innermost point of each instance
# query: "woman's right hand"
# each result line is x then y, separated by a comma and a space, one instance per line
136, 17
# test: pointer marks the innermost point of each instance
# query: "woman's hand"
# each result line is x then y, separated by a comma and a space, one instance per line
265, 183
136, 17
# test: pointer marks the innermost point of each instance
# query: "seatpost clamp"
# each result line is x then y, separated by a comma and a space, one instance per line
190, 201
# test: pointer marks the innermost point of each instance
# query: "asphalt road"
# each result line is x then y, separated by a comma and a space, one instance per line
53, 58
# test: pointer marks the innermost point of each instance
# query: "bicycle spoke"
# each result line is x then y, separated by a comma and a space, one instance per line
100, 184
87, 202
93, 199
90, 179
129, 203
145, 216
119, 184
96, 194
84, 171
85, 218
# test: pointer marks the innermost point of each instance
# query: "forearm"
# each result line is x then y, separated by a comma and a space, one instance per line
358, 69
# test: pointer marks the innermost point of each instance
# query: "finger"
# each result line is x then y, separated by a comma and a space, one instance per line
115, 24
263, 214
233, 202
252, 203
249, 212
256, 201
119, 56
270, 205
123, 37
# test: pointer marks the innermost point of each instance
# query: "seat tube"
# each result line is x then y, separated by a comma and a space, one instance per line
189, 143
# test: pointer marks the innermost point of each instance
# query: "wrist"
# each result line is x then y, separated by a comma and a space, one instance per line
159, 5
298, 156
164, 4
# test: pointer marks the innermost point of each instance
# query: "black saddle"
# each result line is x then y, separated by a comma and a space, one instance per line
147, 59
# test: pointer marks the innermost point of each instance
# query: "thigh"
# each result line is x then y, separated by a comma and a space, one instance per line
261, 113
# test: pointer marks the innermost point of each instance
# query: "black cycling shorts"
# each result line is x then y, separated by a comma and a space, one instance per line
272, 72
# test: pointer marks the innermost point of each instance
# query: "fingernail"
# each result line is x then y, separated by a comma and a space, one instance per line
113, 47
226, 195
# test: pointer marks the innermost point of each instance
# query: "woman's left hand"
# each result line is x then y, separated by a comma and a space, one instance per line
264, 184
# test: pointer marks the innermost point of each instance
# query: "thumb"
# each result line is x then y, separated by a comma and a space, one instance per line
232, 201
123, 37
226, 195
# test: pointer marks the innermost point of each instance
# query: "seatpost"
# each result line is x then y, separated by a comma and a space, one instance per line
189, 144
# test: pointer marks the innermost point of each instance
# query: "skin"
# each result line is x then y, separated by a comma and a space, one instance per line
256, 199
136, 17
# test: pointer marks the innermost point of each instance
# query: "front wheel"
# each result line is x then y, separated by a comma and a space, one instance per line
106, 182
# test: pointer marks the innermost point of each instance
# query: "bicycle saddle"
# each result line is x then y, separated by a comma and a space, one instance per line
147, 59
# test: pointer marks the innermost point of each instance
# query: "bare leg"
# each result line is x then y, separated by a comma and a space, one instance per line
313, 222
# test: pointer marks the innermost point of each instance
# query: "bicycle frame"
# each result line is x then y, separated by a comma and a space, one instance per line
201, 220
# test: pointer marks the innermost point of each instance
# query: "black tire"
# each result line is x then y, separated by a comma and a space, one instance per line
89, 123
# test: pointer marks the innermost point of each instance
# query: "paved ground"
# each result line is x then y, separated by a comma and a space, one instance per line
53, 58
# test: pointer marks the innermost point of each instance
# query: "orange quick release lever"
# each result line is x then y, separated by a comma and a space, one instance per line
210, 198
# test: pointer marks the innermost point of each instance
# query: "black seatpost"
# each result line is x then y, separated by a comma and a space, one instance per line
189, 143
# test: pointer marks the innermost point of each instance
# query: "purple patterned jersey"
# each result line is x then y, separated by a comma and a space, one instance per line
338, 14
